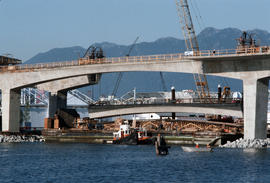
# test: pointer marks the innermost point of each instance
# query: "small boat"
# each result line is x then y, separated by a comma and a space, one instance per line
130, 136
143, 136
196, 149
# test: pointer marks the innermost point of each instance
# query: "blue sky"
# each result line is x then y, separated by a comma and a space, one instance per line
28, 27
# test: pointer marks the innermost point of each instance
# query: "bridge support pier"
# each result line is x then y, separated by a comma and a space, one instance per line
58, 90
57, 101
255, 108
62, 99
11, 110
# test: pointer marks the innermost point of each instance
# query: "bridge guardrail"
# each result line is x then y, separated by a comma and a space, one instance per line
132, 59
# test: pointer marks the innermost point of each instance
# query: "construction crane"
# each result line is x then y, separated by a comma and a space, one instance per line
120, 75
193, 46
116, 86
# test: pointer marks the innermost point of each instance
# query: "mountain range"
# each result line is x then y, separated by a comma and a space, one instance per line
210, 38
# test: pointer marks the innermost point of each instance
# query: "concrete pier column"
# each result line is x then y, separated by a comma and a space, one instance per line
62, 99
52, 105
255, 108
57, 101
11, 110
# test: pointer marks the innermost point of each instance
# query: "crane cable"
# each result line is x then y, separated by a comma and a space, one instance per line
196, 15
120, 74
200, 21
201, 18
163, 81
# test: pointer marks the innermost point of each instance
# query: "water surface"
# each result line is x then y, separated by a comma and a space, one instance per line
82, 162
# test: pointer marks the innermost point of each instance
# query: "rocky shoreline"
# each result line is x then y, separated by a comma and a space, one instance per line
248, 143
21, 138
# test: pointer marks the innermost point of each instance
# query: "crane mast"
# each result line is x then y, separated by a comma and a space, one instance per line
187, 25
192, 45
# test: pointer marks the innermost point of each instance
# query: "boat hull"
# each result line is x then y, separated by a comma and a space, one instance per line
132, 139
195, 149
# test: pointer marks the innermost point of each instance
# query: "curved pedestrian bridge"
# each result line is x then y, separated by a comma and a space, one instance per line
103, 111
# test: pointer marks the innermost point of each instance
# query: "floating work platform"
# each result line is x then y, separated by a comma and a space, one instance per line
106, 137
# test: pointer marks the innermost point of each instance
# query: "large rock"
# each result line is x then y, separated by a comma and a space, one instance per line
20, 138
247, 143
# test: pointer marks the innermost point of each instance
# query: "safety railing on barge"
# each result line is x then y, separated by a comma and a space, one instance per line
138, 59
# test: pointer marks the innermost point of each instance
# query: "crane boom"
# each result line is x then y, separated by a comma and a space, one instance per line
187, 25
132, 46
192, 45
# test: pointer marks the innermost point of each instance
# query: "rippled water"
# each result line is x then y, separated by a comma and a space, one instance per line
53, 163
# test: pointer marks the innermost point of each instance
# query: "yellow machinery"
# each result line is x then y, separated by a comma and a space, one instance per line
226, 92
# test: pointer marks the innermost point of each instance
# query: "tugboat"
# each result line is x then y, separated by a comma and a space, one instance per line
130, 136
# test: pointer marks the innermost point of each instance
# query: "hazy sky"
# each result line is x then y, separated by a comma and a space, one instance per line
28, 27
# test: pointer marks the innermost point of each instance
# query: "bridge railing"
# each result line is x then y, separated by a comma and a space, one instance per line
137, 59
245, 51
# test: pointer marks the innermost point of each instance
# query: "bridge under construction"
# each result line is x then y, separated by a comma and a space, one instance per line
248, 62
252, 66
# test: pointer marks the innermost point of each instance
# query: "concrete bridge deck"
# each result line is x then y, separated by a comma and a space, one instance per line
201, 55
102, 111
